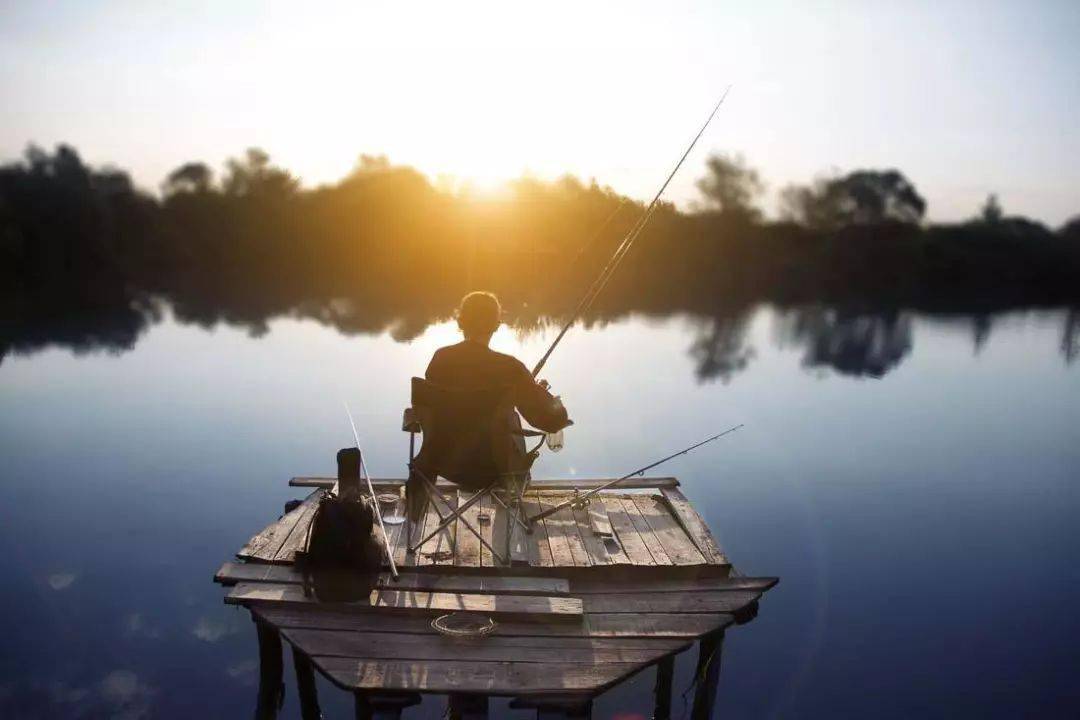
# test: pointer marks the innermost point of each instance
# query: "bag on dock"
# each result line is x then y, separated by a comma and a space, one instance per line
342, 537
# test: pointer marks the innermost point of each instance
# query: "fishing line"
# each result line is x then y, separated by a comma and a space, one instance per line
371, 489
602, 279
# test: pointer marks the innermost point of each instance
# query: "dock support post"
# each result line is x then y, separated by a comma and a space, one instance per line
556, 707
665, 670
271, 687
467, 707
707, 675
305, 686
383, 706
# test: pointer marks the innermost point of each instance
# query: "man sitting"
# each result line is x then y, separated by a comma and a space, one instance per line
471, 365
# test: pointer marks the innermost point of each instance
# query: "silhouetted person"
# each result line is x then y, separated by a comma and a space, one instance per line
471, 364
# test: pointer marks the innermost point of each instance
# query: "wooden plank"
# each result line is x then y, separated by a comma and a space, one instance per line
676, 543
546, 485
491, 678
567, 549
652, 544
599, 522
709, 601
594, 546
232, 573
694, 525
264, 546
629, 540
485, 584
410, 646
597, 625
539, 547
467, 553
439, 550
298, 536
491, 604
486, 521
587, 586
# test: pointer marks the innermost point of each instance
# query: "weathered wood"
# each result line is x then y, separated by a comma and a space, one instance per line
599, 522
439, 550
467, 552
264, 546
594, 545
585, 586
305, 686
485, 584
676, 543
301, 614
539, 547
665, 672
298, 536
555, 531
694, 525
271, 687
551, 484
626, 535
492, 678
665, 602
231, 573
656, 550
404, 646
492, 604
566, 523
486, 520
708, 673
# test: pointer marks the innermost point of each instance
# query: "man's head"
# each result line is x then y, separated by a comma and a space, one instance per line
479, 315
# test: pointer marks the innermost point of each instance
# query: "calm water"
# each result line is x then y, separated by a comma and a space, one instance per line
923, 523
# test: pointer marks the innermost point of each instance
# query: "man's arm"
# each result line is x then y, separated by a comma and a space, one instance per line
536, 404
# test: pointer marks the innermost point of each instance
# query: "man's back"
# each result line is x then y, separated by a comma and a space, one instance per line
472, 365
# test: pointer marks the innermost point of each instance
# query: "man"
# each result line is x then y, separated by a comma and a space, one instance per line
471, 364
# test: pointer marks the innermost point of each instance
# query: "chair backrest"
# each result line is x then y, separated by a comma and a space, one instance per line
470, 437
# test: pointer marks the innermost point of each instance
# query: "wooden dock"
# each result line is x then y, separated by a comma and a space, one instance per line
606, 591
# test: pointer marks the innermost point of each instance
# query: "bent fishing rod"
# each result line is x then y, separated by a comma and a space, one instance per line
624, 247
581, 499
374, 500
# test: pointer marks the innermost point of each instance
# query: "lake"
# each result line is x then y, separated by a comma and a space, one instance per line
914, 482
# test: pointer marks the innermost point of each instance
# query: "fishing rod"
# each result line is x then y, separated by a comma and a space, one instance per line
624, 247
374, 500
580, 499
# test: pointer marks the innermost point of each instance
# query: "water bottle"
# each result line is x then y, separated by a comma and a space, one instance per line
555, 440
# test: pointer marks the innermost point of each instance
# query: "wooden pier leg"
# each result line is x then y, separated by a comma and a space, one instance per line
467, 707
665, 670
305, 685
556, 707
707, 675
271, 687
383, 706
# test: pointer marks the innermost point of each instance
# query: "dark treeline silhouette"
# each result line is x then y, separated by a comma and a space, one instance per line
87, 261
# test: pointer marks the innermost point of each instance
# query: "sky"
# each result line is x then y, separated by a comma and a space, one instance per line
966, 98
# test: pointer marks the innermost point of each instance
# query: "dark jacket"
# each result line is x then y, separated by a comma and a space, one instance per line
471, 365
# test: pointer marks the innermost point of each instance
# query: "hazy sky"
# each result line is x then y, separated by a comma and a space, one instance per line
966, 98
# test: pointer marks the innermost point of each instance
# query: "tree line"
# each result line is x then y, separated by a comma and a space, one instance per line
87, 259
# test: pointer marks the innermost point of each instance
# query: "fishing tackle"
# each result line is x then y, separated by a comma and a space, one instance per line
624, 247
580, 500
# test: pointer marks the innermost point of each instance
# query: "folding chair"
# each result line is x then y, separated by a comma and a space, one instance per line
474, 439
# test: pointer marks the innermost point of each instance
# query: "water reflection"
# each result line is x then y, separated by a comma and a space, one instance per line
859, 343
